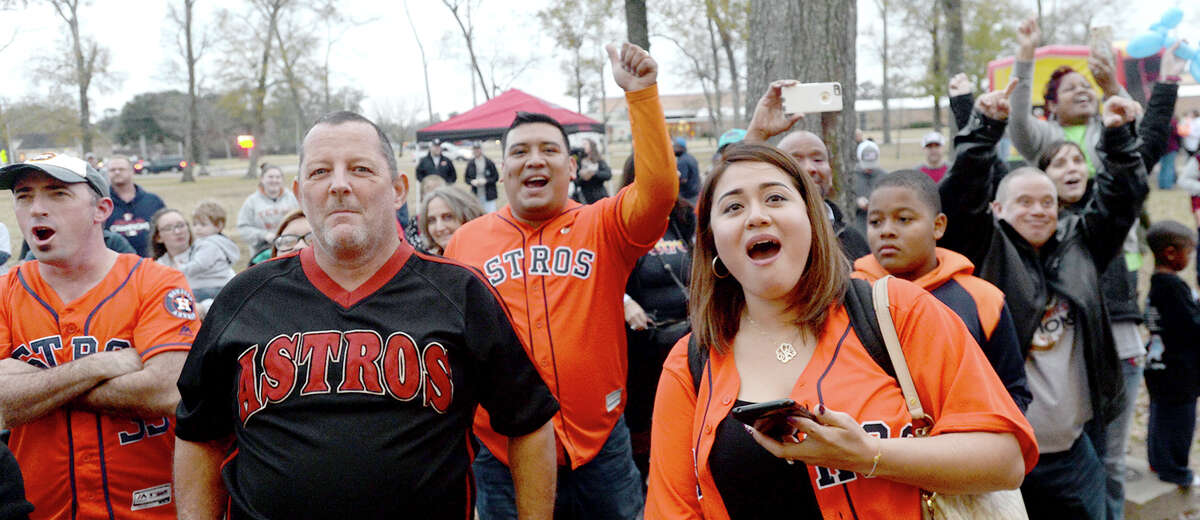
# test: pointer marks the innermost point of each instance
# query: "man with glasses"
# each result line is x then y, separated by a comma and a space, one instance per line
91, 343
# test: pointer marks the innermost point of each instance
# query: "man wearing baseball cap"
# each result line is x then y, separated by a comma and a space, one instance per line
935, 156
91, 344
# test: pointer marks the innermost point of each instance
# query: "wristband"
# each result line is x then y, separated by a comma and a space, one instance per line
875, 461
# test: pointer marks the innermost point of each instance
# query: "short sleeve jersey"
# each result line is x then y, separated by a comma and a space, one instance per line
360, 401
957, 387
81, 464
563, 283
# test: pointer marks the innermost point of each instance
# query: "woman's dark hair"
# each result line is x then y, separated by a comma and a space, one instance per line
1047, 155
157, 248
1051, 92
683, 214
715, 304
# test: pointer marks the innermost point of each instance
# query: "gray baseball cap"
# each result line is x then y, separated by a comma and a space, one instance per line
65, 168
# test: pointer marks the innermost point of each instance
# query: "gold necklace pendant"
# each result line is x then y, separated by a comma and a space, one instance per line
786, 352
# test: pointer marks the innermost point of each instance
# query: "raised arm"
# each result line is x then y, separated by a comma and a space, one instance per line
1155, 126
1121, 188
962, 99
648, 202
966, 189
769, 119
1029, 134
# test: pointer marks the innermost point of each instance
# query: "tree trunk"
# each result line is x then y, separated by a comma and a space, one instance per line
260, 90
193, 120
638, 31
826, 32
424, 63
719, 120
289, 70
885, 90
578, 85
84, 77
954, 31
935, 67
5, 145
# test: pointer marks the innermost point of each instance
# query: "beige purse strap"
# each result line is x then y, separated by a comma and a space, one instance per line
887, 327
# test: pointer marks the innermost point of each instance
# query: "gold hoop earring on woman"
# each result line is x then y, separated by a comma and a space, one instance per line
717, 261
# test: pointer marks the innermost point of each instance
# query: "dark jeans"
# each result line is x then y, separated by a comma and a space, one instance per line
606, 487
1067, 484
1168, 439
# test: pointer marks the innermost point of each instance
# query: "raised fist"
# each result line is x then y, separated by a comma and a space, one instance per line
633, 68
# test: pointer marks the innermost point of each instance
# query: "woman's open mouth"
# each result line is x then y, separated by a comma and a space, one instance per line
763, 250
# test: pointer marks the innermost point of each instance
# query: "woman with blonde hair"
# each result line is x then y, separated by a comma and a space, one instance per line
443, 211
767, 283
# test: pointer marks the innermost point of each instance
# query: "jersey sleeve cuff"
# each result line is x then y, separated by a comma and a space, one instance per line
165, 347
536, 419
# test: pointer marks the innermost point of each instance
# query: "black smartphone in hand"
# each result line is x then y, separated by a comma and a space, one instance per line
770, 417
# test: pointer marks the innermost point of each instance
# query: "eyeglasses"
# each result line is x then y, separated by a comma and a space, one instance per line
287, 242
173, 229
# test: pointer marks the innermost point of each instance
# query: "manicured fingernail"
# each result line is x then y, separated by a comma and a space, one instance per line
748, 429
821, 409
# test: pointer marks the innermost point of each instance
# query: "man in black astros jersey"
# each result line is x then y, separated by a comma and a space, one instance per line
341, 381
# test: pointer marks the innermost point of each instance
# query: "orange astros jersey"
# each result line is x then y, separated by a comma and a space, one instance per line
563, 284
81, 464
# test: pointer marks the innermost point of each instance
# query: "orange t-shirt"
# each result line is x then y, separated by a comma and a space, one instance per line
563, 284
80, 463
958, 389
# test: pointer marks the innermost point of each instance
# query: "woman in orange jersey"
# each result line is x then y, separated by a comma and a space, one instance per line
767, 284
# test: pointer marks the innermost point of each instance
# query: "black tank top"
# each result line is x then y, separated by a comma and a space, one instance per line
755, 484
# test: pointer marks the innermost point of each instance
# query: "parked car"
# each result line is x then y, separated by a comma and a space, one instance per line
456, 152
172, 163
139, 165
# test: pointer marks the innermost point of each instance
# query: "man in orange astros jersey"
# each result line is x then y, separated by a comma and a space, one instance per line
561, 268
91, 344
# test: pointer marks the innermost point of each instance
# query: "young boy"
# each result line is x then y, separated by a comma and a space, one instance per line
213, 253
904, 222
1173, 317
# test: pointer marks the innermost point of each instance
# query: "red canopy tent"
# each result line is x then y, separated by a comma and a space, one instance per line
491, 119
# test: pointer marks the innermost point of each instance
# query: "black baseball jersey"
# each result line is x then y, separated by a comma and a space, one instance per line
356, 404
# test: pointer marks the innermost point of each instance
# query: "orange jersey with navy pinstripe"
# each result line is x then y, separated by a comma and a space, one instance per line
957, 388
82, 464
563, 283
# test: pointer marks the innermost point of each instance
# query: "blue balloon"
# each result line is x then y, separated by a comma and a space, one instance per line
1145, 44
1172, 17
1185, 52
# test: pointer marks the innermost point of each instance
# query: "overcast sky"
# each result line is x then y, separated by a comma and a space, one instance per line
379, 57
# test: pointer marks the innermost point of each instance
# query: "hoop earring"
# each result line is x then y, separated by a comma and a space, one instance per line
717, 261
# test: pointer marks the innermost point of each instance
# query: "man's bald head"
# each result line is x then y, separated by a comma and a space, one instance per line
810, 151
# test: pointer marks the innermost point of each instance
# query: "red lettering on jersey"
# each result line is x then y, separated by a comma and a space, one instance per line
279, 368
248, 400
317, 349
439, 388
402, 372
363, 348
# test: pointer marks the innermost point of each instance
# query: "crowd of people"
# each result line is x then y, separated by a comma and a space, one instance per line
687, 346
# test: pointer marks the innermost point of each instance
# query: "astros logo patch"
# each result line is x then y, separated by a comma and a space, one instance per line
180, 304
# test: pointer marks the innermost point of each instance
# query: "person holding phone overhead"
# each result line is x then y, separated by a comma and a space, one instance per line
766, 288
